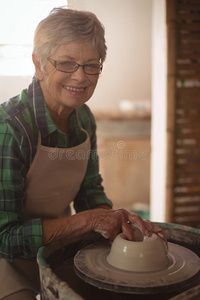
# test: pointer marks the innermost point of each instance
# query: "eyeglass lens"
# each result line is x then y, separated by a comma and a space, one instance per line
68, 66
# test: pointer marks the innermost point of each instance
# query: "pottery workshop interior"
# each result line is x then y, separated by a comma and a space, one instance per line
146, 106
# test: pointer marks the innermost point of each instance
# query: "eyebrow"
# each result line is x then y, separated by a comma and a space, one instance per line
73, 58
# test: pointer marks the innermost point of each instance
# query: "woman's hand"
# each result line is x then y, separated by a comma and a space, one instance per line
109, 223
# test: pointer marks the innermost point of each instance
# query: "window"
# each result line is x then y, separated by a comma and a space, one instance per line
18, 20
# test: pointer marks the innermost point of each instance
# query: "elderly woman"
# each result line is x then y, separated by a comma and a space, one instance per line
48, 153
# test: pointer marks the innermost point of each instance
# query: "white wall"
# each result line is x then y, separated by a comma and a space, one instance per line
159, 102
11, 86
127, 71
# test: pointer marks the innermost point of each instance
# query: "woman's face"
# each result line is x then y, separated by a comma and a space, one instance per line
66, 91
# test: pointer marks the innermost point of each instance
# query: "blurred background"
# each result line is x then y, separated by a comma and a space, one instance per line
130, 101
122, 100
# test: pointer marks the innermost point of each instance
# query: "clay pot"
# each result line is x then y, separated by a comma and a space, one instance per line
143, 255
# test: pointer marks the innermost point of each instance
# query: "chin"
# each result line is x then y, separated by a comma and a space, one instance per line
74, 104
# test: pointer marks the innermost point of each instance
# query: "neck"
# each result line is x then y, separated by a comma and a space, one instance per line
61, 118
59, 113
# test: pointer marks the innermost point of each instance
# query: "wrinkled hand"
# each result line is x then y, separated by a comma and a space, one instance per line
109, 223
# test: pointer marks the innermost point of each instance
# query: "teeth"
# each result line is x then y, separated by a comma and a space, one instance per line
73, 89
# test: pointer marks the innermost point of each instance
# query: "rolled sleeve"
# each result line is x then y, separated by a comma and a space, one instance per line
17, 239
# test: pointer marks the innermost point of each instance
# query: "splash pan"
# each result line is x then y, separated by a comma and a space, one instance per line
92, 266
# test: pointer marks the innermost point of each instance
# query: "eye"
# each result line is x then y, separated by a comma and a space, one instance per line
66, 64
93, 66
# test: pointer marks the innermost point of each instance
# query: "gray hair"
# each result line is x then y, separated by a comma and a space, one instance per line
63, 26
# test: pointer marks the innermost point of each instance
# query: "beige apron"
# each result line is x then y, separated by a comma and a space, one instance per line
53, 181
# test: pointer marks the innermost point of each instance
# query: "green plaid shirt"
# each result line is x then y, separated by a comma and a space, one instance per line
20, 119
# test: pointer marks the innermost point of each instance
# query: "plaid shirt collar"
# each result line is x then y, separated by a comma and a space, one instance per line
42, 115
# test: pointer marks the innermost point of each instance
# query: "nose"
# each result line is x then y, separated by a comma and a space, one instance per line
79, 75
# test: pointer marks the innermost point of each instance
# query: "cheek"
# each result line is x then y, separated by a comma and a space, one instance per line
56, 85
93, 84
91, 90
56, 78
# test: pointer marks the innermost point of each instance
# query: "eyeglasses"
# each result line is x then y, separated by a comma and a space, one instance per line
71, 67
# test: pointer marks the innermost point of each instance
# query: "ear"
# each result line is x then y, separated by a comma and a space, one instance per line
37, 64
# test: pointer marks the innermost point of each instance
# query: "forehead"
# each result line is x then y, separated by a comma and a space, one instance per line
77, 51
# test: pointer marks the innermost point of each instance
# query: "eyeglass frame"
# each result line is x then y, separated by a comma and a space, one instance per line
54, 63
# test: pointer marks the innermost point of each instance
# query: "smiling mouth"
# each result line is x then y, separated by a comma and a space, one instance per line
73, 89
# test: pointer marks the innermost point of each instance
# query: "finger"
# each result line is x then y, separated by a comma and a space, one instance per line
156, 229
151, 226
138, 222
163, 237
128, 231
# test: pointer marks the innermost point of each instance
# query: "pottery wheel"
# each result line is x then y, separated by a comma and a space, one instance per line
91, 265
